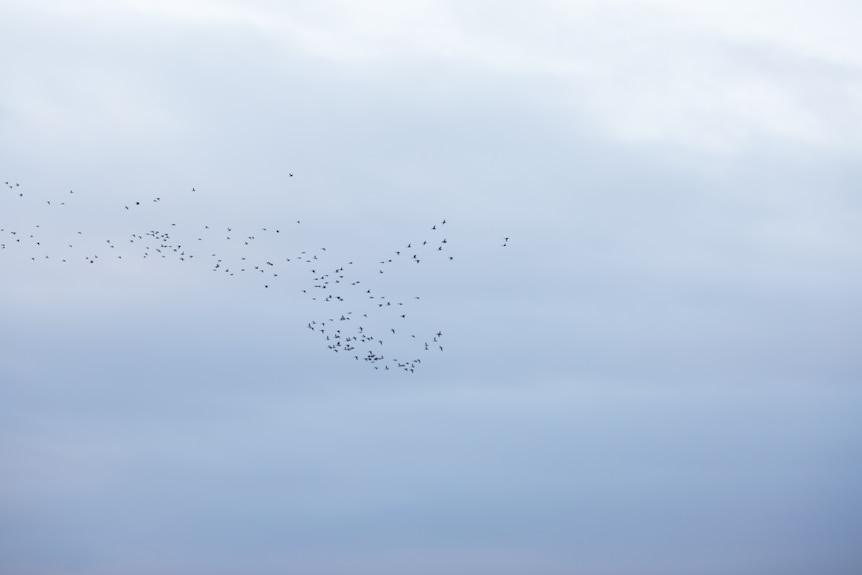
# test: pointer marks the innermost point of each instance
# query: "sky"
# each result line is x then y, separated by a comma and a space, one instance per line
635, 353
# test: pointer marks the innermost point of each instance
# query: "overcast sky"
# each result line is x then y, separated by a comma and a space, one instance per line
657, 373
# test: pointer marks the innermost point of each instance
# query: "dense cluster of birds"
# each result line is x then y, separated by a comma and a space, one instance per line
360, 318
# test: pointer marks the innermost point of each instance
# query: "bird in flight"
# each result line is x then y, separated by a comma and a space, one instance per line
337, 286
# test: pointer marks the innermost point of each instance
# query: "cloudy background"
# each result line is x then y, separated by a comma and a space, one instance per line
659, 374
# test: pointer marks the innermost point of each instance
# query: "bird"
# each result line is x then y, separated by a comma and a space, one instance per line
343, 277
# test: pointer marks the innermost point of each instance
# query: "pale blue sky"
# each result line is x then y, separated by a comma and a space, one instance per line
658, 374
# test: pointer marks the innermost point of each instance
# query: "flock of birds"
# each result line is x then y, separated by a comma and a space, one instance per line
360, 317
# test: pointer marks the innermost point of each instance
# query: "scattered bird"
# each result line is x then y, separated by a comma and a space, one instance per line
361, 313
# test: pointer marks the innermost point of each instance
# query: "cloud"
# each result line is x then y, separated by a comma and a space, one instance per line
658, 373
715, 78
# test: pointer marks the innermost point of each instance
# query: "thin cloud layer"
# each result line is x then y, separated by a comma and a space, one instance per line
650, 317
